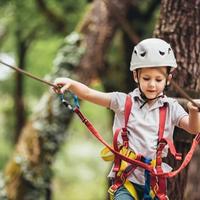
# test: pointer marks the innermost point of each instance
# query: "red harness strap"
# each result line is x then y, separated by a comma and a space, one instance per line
160, 182
186, 161
120, 179
136, 162
94, 132
124, 134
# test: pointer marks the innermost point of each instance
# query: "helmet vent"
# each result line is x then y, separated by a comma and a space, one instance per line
169, 50
143, 54
135, 52
162, 53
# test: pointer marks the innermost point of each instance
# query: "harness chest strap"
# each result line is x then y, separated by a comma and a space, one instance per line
160, 182
124, 134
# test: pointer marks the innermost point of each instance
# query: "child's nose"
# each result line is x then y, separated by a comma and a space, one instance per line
152, 83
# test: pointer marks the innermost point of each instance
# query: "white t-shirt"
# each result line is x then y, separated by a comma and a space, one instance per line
143, 126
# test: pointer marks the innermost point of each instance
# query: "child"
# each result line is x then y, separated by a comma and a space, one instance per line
152, 63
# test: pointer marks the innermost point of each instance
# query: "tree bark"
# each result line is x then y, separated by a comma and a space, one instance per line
179, 24
19, 91
23, 39
28, 173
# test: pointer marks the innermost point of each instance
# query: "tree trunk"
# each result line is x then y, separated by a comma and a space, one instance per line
19, 90
28, 174
179, 24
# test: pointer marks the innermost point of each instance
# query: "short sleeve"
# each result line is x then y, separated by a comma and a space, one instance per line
178, 112
117, 101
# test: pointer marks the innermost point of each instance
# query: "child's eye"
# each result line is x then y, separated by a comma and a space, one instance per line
146, 78
159, 80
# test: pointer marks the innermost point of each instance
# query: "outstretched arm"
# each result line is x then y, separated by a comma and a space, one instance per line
82, 91
191, 123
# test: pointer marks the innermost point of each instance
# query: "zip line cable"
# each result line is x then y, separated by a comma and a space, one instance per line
184, 94
27, 74
178, 88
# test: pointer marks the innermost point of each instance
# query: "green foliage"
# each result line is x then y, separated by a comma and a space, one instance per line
116, 78
39, 63
70, 11
145, 23
24, 13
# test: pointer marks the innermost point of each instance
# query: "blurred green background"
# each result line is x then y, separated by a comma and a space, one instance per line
89, 179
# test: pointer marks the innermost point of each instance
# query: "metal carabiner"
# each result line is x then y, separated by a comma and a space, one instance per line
66, 100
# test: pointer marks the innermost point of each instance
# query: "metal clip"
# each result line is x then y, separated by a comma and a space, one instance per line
67, 101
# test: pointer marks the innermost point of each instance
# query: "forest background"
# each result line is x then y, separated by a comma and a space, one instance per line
45, 151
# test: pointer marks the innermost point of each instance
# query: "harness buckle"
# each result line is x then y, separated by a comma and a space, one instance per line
178, 156
155, 188
111, 191
113, 188
124, 135
162, 144
197, 138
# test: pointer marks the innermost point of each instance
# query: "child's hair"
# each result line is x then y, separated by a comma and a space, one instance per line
152, 52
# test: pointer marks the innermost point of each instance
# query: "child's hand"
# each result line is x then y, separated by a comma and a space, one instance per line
63, 84
192, 107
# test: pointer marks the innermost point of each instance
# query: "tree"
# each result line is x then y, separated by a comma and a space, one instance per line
179, 24
26, 23
22, 16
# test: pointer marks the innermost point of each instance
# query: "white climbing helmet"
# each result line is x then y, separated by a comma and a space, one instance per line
152, 52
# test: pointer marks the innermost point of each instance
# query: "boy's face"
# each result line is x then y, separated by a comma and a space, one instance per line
152, 80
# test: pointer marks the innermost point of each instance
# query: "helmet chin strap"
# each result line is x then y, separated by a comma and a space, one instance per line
147, 99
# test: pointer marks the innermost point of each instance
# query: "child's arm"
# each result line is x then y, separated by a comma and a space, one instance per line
82, 91
191, 123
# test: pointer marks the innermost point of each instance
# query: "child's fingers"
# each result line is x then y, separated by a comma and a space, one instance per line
64, 88
56, 90
57, 87
60, 81
62, 85
194, 107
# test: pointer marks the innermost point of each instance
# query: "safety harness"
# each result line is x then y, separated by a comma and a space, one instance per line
153, 186
126, 161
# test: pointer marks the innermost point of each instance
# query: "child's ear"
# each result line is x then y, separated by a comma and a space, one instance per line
135, 76
169, 78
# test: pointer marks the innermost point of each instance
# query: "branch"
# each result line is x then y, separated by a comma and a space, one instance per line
57, 21
122, 21
136, 13
151, 9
